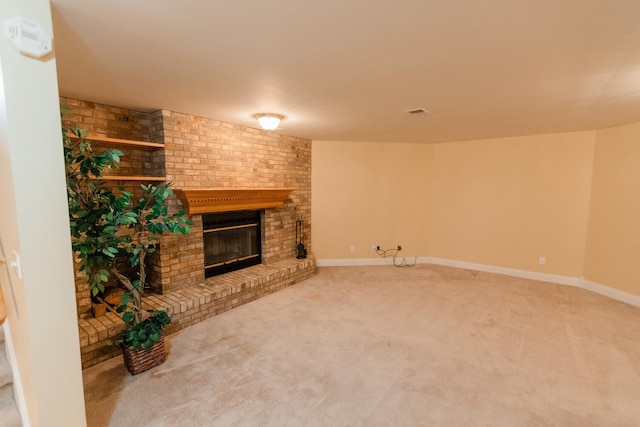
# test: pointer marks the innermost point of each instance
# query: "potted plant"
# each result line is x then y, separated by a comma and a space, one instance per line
105, 225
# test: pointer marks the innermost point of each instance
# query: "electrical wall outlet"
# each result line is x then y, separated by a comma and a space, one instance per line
399, 247
375, 248
353, 248
542, 260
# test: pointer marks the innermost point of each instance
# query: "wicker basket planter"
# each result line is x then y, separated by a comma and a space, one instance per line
140, 360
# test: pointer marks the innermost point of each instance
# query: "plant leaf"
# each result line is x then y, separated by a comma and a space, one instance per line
125, 298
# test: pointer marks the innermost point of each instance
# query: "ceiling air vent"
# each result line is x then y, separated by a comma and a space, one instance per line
417, 111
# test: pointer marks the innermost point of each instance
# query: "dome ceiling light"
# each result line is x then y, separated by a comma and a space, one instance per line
269, 121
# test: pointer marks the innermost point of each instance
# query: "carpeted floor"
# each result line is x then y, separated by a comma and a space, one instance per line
386, 346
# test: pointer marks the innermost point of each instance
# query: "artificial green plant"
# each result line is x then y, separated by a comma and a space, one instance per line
105, 225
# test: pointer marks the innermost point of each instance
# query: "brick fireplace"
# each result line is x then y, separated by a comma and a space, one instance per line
199, 154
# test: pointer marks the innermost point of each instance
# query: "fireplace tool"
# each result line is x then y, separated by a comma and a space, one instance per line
302, 252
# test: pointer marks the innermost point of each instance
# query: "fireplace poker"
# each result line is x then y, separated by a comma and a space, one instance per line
302, 252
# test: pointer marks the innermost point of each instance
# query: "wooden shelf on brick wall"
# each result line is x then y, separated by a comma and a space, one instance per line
126, 143
211, 200
122, 142
133, 178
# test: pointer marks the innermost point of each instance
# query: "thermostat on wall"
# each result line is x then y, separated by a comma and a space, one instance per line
28, 36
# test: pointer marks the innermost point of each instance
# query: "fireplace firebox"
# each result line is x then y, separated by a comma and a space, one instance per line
231, 241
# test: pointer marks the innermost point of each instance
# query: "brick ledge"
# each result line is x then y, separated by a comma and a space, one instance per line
193, 304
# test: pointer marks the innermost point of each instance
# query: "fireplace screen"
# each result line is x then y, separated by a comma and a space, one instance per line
231, 241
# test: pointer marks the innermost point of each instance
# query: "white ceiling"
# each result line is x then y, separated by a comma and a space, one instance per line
349, 69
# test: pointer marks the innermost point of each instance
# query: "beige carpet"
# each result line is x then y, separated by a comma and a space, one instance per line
386, 346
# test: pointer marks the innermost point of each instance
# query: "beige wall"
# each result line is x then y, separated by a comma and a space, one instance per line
34, 223
501, 202
613, 245
366, 194
507, 202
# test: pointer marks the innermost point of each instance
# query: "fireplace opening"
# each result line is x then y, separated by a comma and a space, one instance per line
231, 241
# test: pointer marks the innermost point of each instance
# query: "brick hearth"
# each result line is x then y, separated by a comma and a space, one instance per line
200, 153
196, 303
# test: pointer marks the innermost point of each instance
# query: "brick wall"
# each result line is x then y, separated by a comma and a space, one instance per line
205, 153
105, 120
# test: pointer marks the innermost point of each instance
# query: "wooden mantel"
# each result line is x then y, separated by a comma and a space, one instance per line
210, 200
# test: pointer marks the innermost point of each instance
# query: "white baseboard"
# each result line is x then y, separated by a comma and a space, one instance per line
351, 262
523, 274
607, 291
612, 293
18, 391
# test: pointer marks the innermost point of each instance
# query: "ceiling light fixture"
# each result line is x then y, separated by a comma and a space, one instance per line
269, 121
